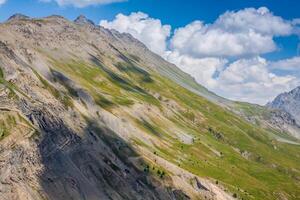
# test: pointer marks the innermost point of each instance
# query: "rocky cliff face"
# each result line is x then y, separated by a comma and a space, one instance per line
268, 117
88, 113
283, 121
288, 102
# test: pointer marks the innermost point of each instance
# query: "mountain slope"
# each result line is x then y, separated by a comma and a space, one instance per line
106, 118
288, 102
280, 115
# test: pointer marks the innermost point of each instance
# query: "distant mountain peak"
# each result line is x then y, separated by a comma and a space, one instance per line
288, 102
295, 91
18, 16
82, 20
56, 16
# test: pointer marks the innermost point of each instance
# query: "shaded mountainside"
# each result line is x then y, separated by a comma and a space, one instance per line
88, 113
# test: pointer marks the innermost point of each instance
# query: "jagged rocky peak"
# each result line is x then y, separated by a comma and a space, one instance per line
289, 102
296, 93
56, 17
18, 16
82, 20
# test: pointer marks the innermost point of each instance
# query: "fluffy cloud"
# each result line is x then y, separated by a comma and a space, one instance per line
81, 3
202, 69
234, 34
251, 80
202, 41
2, 2
259, 20
246, 32
148, 30
290, 64
224, 56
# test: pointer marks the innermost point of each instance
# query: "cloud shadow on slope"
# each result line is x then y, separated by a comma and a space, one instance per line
93, 166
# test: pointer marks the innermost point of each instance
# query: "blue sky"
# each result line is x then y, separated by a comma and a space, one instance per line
175, 12
243, 50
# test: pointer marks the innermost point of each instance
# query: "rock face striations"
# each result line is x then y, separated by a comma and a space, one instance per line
288, 102
82, 20
89, 113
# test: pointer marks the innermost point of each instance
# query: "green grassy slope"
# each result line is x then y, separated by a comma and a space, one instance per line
242, 157
173, 73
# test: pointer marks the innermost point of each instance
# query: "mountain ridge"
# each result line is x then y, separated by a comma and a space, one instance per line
289, 102
103, 117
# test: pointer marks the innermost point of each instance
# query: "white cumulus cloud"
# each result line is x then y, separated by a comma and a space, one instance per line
251, 80
290, 64
246, 32
202, 41
202, 69
2, 2
259, 20
148, 30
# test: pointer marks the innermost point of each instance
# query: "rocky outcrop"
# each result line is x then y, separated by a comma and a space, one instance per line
82, 20
288, 102
18, 16
284, 121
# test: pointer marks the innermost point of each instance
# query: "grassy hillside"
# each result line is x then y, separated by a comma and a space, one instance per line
195, 134
81, 74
